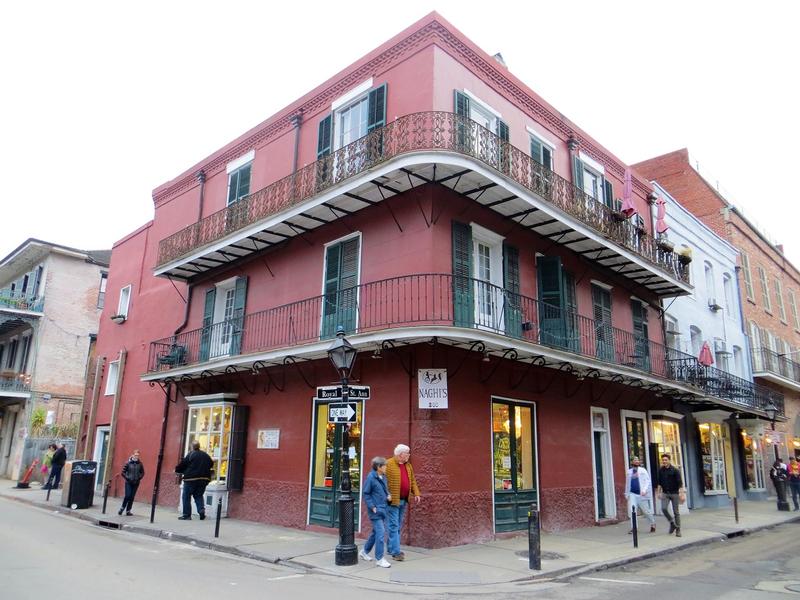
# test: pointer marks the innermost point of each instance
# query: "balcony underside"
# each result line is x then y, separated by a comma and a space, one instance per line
11, 320
496, 346
777, 379
461, 174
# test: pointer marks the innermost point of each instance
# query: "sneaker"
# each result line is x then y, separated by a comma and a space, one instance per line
202, 516
129, 513
364, 556
652, 528
185, 518
383, 563
399, 557
119, 512
677, 532
672, 527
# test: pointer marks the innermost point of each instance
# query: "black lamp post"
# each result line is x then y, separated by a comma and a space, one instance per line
780, 484
343, 356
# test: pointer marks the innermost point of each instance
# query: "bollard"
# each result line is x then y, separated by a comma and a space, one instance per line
49, 487
219, 516
736, 509
534, 540
105, 496
634, 528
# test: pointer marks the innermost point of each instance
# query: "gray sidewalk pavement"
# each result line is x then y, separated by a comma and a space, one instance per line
492, 563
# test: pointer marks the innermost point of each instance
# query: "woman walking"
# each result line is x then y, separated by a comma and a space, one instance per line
132, 473
376, 495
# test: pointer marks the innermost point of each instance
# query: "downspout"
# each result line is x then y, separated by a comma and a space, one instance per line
201, 177
297, 121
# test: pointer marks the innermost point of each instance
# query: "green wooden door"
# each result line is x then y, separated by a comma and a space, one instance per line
340, 298
326, 467
604, 333
514, 464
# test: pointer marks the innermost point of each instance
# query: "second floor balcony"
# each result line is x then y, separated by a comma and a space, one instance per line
17, 383
16, 302
464, 312
413, 150
777, 368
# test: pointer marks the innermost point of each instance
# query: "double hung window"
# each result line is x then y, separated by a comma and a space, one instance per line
239, 172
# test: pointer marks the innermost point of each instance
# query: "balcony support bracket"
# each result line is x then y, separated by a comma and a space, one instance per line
509, 353
293, 360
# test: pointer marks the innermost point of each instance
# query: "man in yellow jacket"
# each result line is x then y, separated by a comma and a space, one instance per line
402, 486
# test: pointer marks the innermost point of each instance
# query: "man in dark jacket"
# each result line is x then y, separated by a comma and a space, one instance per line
132, 473
56, 466
196, 470
670, 488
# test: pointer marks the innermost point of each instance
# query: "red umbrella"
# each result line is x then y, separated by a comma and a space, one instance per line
628, 209
661, 212
706, 358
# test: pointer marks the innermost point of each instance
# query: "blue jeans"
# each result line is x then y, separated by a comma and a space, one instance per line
376, 538
394, 516
795, 487
194, 489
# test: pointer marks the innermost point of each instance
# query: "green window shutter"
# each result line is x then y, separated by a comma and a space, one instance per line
235, 475
571, 326
502, 130
641, 354
512, 305
244, 180
547, 158
536, 150
233, 186
551, 301
463, 129
239, 298
608, 194
208, 321
463, 305
324, 141
376, 111
604, 345
577, 172
341, 291
504, 152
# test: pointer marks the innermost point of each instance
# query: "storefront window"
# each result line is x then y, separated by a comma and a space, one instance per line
666, 435
754, 461
327, 453
210, 425
712, 451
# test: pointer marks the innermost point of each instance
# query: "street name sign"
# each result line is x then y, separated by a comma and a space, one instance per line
334, 392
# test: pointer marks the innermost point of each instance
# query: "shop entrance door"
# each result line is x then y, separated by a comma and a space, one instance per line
514, 463
605, 501
326, 467
100, 454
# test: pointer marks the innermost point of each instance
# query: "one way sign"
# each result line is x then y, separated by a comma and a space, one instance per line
343, 412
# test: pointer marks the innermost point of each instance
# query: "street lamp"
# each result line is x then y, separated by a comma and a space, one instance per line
343, 356
780, 484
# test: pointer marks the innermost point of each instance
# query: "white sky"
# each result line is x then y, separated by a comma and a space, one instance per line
104, 101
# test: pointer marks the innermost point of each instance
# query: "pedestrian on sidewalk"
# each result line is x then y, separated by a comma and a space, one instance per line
56, 466
402, 485
47, 461
132, 473
638, 491
376, 495
196, 470
794, 480
670, 489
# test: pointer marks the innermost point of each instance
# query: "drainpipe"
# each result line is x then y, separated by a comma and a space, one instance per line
297, 121
201, 177
112, 440
92, 417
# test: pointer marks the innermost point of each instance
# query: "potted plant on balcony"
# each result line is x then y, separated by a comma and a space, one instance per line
118, 319
685, 255
665, 244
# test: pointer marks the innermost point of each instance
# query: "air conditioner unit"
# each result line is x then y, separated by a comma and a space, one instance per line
712, 304
672, 328
720, 346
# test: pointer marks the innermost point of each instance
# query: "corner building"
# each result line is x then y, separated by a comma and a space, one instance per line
436, 208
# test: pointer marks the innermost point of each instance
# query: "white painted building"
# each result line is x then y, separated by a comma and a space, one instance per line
51, 298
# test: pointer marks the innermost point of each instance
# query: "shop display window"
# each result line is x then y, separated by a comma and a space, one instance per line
754, 461
713, 457
210, 424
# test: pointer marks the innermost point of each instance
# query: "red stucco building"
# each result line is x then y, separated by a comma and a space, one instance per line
460, 230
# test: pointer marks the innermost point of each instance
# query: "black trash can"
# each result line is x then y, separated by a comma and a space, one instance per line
78, 489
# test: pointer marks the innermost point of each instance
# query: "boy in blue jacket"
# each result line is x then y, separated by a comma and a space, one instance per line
376, 495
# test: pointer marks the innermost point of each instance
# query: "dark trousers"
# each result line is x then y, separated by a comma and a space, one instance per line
194, 489
795, 485
130, 494
674, 499
55, 477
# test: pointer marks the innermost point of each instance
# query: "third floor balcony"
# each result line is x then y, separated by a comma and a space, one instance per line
462, 312
417, 149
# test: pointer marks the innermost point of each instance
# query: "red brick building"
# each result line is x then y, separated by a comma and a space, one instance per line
768, 283
463, 233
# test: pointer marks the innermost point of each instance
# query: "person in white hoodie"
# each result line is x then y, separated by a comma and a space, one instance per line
639, 491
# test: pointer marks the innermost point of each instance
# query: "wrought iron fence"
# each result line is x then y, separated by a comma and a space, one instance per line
447, 300
15, 383
11, 300
426, 131
766, 360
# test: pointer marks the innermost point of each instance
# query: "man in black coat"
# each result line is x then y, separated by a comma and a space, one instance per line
196, 470
56, 466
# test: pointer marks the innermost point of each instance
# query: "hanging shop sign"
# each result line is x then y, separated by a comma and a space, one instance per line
432, 388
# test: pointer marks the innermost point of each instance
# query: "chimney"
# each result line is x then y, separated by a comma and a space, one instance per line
499, 58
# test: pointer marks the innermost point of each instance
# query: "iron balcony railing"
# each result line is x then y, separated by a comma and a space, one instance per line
766, 360
20, 382
446, 300
426, 131
17, 302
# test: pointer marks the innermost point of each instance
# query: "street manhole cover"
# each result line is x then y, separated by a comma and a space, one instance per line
545, 555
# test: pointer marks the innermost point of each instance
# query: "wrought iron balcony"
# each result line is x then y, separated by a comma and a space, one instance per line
445, 300
17, 382
778, 367
415, 133
17, 302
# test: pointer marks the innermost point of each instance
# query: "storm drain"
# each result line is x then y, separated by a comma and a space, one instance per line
109, 524
545, 555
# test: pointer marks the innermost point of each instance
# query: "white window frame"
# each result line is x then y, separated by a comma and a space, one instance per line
494, 241
738, 361
545, 143
727, 290
112, 376
221, 336
714, 419
233, 167
124, 302
711, 288
608, 462
101, 293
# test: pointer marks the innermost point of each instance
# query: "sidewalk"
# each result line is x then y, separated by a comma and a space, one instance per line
501, 561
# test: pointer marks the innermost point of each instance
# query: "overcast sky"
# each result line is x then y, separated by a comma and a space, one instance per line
102, 102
